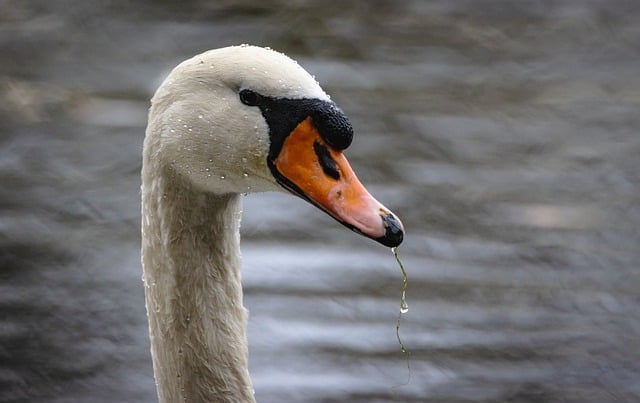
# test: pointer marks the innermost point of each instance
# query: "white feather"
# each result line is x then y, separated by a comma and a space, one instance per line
203, 147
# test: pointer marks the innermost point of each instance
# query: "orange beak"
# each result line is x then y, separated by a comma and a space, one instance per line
309, 167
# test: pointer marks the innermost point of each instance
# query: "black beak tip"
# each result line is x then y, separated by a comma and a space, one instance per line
394, 233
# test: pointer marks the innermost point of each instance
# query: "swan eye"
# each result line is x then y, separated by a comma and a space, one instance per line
249, 97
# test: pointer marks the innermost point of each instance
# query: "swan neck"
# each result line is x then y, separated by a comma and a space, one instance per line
193, 292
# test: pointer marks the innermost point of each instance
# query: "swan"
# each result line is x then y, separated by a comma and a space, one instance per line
224, 123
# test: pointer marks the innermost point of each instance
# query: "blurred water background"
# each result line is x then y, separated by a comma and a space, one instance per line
504, 133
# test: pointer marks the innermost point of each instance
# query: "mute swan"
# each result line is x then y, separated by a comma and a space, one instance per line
226, 122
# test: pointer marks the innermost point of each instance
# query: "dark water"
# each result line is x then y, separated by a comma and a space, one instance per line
505, 134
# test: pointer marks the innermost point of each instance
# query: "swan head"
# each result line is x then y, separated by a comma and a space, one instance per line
248, 119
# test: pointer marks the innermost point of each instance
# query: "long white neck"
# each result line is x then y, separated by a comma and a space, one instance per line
191, 262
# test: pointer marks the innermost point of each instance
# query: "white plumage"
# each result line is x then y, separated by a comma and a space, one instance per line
203, 149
